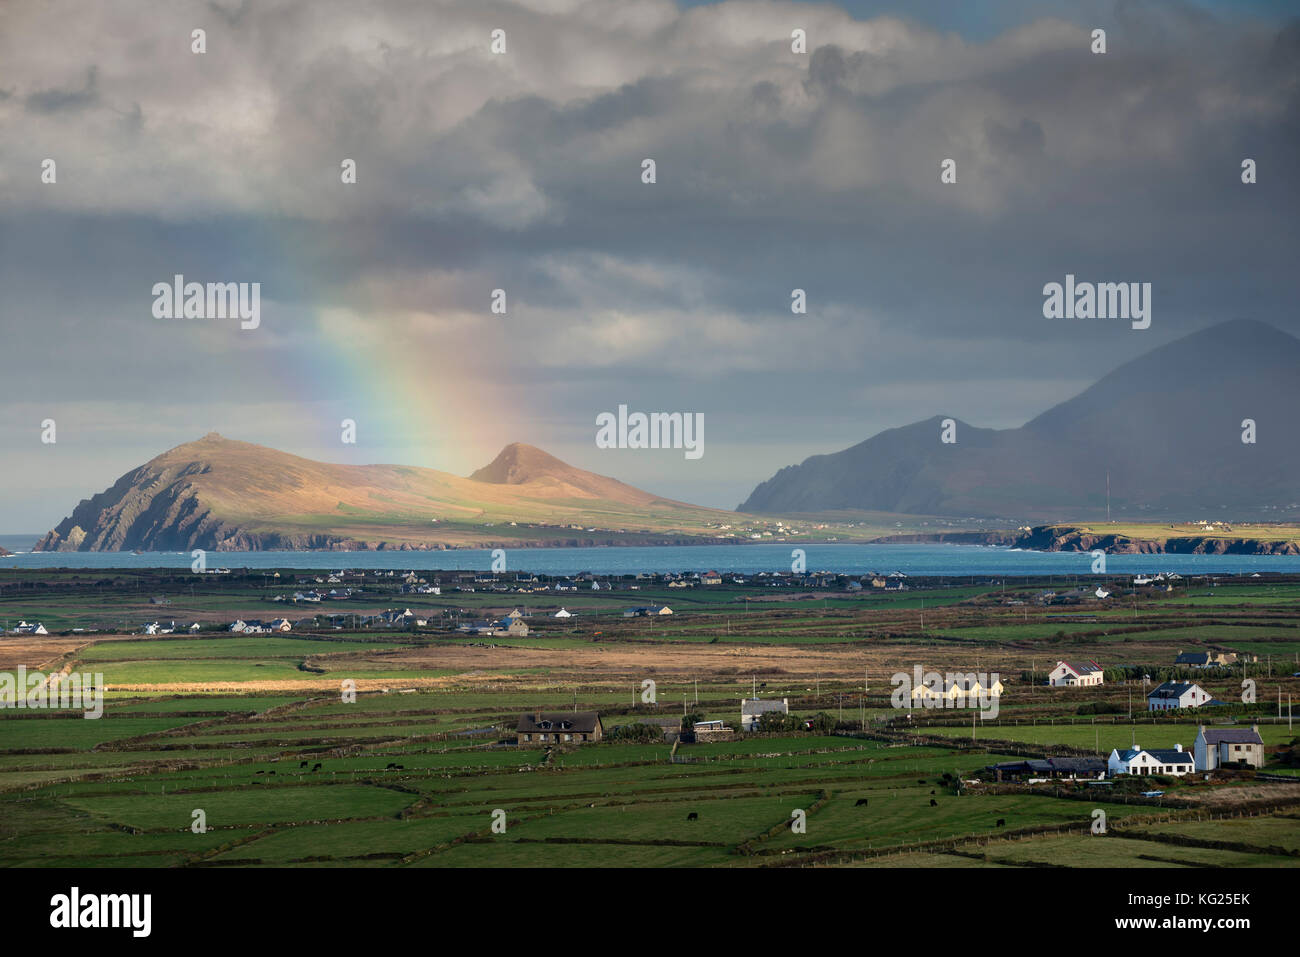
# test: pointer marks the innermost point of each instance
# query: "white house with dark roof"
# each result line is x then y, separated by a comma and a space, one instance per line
752, 709
1139, 761
1068, 674
1173, 695
1218, 746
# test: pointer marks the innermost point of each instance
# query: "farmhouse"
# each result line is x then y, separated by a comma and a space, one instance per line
1068, 674
503, 626
1215, 747
647, 611
1138, 761
563, 613
752, 709
1205, 659
1063, 768
672, 727
30, 628
558, 727
1176, 694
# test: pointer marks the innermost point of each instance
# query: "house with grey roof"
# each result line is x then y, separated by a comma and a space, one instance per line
1173, 695
1218, 746
1075, 673
752, 709
558, 727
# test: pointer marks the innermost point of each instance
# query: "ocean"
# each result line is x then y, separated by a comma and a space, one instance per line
929, 559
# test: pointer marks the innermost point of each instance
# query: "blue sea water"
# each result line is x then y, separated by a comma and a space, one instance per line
929, 559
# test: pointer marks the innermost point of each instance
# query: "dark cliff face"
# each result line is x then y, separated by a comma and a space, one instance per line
148, 508
1167, 427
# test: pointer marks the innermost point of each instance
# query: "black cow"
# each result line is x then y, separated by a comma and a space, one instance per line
933, 803
302, 764
932, 791
316, 767
1001, 822
401, 767
862, 802
920, 780
692, 816
390, 767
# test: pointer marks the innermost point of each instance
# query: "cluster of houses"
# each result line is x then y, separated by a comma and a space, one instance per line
512, 625
1213, 748
1209, 659
1167, 696
647, 611
254, 626
155, 628
580, 727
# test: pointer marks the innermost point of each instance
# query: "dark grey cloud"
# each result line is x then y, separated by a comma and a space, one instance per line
56, 100
775, 171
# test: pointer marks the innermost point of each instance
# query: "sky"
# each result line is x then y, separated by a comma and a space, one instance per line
522, 171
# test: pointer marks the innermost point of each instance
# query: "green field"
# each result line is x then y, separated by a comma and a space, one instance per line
253, 732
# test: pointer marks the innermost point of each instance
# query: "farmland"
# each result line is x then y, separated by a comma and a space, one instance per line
256, 738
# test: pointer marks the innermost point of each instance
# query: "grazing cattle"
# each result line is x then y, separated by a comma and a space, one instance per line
862, 802
933, 803
692, 816
932, 790
401, 767
1001, 822
261, 772
302, 764
316, 767
390, 767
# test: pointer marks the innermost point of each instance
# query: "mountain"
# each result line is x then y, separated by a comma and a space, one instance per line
1166, 427
220, 494
527, 465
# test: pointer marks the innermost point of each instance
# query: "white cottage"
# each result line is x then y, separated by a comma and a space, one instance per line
1073, 673
1139, 761
1173, 695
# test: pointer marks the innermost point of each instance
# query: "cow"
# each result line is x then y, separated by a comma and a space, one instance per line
1001, 822
920, 780
390, 767
692, 816
932, 791
862, 802
302, 764
316, 766
401, 767
933, 803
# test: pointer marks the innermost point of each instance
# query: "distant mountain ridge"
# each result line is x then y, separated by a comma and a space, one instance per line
1167, 427
220, 494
